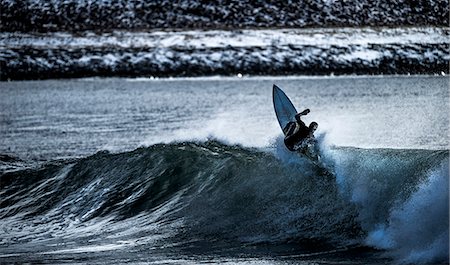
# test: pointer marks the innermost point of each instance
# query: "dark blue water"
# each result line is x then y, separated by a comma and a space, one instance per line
212, 181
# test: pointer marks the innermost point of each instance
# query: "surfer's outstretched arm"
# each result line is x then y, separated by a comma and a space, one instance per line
298, 115
305, 112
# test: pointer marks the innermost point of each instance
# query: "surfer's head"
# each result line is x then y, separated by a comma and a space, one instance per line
313, 126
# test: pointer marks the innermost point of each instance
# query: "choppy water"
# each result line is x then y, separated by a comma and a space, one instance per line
213, 182
66, 118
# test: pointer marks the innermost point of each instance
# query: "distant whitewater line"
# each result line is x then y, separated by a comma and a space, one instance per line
219, 52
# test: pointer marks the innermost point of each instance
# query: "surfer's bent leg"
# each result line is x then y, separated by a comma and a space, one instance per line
289, 140
289, 129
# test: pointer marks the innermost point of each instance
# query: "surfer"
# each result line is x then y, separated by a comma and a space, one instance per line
299, 136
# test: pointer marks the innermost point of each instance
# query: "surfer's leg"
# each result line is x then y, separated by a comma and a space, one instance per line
289, 129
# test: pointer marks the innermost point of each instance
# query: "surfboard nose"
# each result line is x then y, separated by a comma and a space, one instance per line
275, 87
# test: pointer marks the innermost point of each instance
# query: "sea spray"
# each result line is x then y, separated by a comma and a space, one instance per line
417, 228
402, 199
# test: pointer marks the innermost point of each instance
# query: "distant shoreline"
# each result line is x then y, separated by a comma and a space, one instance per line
231, 77
278, 52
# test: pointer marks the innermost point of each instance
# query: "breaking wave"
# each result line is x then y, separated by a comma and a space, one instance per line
191, 193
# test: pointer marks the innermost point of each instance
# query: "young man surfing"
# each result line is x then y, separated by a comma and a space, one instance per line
298, 136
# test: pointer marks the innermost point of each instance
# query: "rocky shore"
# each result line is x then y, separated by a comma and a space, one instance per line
100, 16
68, 39
248, 52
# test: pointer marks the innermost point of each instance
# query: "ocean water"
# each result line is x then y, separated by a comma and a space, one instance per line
193, 170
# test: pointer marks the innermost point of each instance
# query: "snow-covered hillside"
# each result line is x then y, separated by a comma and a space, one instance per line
78, 38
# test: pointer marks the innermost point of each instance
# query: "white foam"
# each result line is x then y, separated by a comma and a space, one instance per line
417, 230
250, 131
224, 38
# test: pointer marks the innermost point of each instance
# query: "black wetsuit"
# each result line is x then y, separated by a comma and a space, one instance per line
294, 137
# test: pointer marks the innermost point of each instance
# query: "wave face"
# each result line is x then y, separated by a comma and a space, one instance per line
186, 195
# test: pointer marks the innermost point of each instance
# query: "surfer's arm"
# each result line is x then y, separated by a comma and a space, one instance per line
305, 112
298, 115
